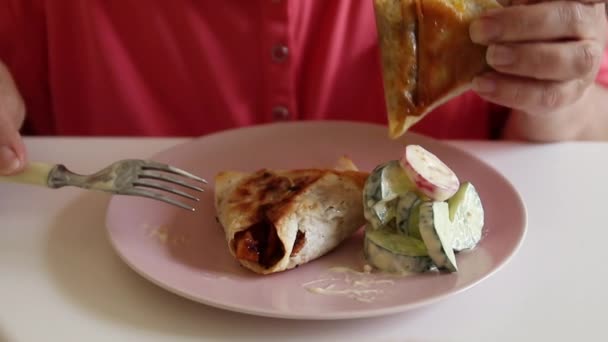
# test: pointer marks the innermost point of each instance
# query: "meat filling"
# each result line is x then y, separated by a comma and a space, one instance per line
261, 244
299, 243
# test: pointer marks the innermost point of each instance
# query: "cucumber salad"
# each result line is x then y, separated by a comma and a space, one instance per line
419, 214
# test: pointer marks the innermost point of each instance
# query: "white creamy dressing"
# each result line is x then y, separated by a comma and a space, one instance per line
362, 286
366, 296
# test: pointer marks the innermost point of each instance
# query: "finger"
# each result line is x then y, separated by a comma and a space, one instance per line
547, 61
12, 150
12, 113
543, 21
528, 95
529, 2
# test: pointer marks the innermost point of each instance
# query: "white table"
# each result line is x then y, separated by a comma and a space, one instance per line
61, 281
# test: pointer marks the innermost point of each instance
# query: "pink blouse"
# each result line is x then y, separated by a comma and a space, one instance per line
188, 68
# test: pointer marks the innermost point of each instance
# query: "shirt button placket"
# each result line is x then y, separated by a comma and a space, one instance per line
279, 83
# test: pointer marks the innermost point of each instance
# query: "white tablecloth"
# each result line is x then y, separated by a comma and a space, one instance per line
60, 280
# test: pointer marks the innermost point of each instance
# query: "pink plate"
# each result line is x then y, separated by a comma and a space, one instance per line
186, 252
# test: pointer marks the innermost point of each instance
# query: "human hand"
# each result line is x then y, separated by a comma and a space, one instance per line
12, 114
545, 55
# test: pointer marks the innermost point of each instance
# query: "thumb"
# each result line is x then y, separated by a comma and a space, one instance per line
12, 113
12, 150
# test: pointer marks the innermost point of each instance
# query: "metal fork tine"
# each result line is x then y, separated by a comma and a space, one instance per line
165, 188
152, 165
153, 195
161, 177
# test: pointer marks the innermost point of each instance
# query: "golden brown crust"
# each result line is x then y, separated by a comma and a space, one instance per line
267, 193
427, 54
397, 25
261, 200
449, 59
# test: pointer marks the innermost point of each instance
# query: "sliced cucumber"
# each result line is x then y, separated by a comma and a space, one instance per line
386, 182
397, 243
413, 224
395, 253
467, 216
437, 233
385, 211
403, 210
394, 181
382, 187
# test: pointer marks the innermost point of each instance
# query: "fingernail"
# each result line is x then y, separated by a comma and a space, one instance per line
484, 30
484, 85
8, 160
499, 55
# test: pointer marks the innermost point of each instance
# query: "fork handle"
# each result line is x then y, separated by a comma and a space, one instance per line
35, 173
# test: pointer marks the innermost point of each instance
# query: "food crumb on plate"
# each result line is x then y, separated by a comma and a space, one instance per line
161, 233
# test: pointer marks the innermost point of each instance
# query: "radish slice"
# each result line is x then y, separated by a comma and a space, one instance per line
431, 176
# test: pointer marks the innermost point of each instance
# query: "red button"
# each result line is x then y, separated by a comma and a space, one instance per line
280, 53
280, 113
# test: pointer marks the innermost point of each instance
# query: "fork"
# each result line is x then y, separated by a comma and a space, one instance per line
132, 177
